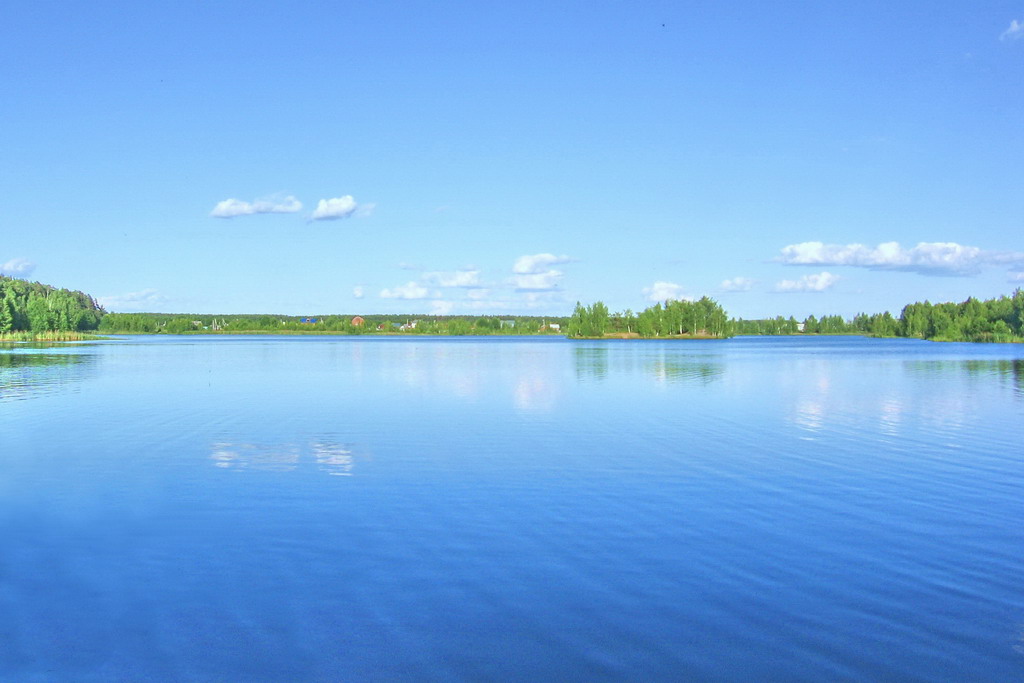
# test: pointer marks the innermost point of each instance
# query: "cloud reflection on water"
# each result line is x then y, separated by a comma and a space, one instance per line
331, 457
535, 393
891, 415
814, 407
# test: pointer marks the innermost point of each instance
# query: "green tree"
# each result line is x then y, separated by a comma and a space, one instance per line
598, 316
6, 316
588, 321
883, 325
629, 320
38, 314
648, 322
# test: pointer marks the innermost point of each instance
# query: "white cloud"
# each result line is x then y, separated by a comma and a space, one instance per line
340, 207
358, 292
927, 258
533, 272
737, 284
439, 307
537, 263
468, 278
543, 281
809, 283
146, 300
1015, 31
409, 290
663, 291
230, 208
478, 294
1016, 277
17, 267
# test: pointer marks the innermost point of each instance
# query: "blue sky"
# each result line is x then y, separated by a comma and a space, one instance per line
783, 158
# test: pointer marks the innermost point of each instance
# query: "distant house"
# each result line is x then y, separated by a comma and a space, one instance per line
358, 321
309, 321
554, 326
508, 323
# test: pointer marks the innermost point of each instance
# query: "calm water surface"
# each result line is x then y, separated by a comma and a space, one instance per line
346, 509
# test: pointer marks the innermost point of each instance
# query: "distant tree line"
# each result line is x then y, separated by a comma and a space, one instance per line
704, 318
993, 320
157, 323
880, 324
34, 307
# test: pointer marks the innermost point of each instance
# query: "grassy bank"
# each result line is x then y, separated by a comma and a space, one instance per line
339, 333
634, 335
46, 336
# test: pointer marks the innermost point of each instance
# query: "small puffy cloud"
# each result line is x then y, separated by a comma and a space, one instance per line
809, 283
537, 263
478, 294
333, 209
737, 284
663, 291
927, 258
467, 279
358, 292
17, 267
146, 300
536, 282
231, 208
1016, 277
410, 290
340, 207
1015, 31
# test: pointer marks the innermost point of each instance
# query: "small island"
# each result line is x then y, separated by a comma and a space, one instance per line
676, 319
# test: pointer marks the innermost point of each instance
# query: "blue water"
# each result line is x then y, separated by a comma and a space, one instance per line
348, 509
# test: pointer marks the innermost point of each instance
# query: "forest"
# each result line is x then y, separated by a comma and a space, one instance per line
37, 308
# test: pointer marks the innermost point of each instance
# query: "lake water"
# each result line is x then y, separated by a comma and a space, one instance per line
511, 509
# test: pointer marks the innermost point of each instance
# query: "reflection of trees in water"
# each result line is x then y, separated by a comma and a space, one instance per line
1011, 370
594, 363
328, 456
693, 369
591, 362
28, 375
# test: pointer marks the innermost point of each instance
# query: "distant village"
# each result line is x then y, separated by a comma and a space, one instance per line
150, 323
411, 325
